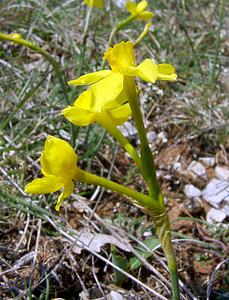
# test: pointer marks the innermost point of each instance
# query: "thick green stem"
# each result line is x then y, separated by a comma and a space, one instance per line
161, 219
164, 235
138, 199
107, 123
149, 170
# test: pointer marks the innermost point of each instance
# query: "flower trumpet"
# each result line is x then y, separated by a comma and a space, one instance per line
58, 165
122, 61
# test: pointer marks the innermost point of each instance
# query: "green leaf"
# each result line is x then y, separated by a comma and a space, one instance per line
121, 262
150, 244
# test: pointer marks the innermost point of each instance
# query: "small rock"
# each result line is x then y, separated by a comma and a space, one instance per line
115, 296
225, 209
128, 130
216, 191
215, 216
151, 136
191, 191
208, 161
177, 167
197, 170
162, 138
222, 173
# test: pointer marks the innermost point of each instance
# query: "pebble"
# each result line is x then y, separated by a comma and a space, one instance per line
151, 136
215, 216
197, 170
128, 130
222, 173
115, 296
208, 161
216, 192
191, 191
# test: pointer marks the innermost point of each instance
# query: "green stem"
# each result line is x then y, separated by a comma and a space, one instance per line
138, 199
164, 235
149, 170
44, 53
161, 219
54, 64
107, 123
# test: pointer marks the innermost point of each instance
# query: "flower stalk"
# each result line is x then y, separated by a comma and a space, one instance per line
116, 133
149, 172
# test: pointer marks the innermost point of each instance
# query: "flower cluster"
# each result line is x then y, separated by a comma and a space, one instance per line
106, 100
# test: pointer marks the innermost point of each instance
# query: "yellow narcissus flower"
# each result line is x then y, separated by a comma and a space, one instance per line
122, 62
58, 165
138, 10
89, 108
94, 3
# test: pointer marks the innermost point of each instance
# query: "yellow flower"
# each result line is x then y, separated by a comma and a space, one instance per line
121, 59
89, 108
138, 10
58, 165
94, 3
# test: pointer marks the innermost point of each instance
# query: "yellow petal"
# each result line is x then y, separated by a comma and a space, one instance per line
142, 6
131, 7
106, 91
90, 78
58, 158
68, 189
147, 71
146, 15
84, 101
122, 98
120, 56
94, 3
166, 72
120, 114
78, 116
44, 185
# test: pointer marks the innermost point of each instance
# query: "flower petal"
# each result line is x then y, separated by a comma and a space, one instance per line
84, 101
120, 56
106, 91
58, 158
90, 78
78, 116
131, 7
142, 6
147, 71
166, 72
145, 15
44, 185
120, 115
68, 189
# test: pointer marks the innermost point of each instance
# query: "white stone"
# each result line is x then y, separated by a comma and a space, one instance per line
162, 138
191, 191
177, 166
151, 136
208, 161
115, 296
215, 216
216, 192
222, 173
225, 209
128, 129
197, 170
